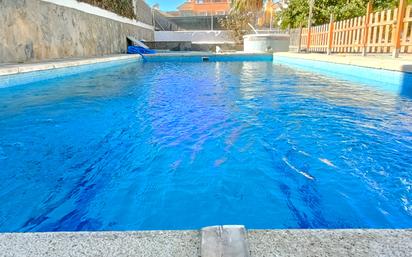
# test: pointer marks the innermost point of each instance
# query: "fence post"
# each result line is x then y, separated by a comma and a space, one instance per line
366, 28
311, 4
308, 42
300, 39
399, 27
330, 37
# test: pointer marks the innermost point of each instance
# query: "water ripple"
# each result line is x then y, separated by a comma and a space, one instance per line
186, 145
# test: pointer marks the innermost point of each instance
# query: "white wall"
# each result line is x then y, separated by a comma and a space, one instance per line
207, 37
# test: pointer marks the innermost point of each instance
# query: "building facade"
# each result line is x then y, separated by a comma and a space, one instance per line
204, 7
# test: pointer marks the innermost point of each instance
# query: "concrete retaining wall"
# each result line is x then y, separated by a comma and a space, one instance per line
34, 30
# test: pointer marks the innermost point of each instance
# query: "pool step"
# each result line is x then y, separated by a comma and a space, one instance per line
224, 241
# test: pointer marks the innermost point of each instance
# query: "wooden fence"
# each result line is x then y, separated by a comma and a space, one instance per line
376, 32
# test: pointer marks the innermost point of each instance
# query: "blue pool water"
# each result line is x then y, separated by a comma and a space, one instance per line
186, 145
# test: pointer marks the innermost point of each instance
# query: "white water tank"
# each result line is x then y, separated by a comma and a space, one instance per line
266, 43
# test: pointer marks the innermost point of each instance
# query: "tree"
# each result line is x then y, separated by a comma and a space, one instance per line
247, 5
297, 12
238, 25
242, 13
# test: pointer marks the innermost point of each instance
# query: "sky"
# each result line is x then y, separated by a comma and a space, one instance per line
166, 5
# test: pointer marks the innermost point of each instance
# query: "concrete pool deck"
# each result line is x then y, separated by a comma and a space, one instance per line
376, 61
284, 243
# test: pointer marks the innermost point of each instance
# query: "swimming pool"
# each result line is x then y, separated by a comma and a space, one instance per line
185, 145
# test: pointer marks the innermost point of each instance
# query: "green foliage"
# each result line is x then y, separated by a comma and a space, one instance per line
297, 13
121, 7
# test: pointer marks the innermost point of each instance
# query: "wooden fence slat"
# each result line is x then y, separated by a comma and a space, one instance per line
336, 37
387, 31
359, 33
350, 39
354, 31
343, 39
404, 37
369, 36
355, 34
348, 25
375, 32
338, 43
381, 28
347, 32
408, 19
407, 35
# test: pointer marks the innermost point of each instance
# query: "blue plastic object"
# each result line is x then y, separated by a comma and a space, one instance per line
139, 50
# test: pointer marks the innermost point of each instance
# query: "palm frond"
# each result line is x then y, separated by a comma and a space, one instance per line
247, 5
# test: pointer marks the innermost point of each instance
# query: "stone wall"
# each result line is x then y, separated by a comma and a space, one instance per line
32, 30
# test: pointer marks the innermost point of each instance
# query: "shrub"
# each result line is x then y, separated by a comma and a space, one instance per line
121, 7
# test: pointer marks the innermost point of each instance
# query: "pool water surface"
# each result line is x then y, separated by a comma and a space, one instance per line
185, 145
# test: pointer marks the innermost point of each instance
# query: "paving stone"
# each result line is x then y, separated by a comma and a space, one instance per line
261, 243
101, 244
224, 241
330, 243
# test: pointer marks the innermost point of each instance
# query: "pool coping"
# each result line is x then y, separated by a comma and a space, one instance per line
297, 243
189, 54
13, 69
28, 73
209, 57
19, 68
376, 62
